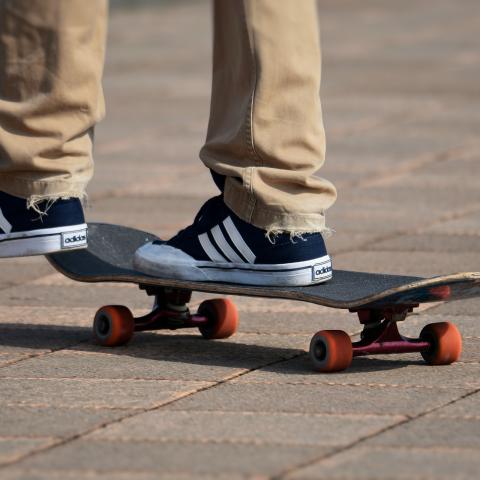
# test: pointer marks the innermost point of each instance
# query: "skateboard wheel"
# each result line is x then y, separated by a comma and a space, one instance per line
113, 325
222, 317
331, 351
445, 343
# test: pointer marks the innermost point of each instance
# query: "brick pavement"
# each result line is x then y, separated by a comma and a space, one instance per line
402, 110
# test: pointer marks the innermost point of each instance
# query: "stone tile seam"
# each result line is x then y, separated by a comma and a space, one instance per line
440, 448
28, 437
113, 380
122, 473
265, 443
253, 413
267, 413
12, 459
187, 440
353, 384
358, 442
457, 233
233, 381
69, 406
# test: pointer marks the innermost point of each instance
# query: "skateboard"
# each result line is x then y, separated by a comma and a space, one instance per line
380, 301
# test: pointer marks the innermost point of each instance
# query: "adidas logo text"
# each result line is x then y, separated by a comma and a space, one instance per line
74, 239
320, 270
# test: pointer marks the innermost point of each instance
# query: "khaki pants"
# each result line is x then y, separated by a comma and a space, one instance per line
265, 132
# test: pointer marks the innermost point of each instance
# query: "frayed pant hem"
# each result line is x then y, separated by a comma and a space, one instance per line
40, 195
271, 220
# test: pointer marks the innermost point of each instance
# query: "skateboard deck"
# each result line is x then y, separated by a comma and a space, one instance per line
380, 300
110, 253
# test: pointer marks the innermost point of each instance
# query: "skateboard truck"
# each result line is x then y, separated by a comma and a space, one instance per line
380, 333
332, 350
115, 325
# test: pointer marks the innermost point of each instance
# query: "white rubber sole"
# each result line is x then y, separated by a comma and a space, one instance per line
166, 261
43, 241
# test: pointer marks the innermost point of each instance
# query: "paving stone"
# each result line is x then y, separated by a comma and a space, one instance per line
297, 323
452, 170
469, 306
429, 243
52, 421
420, 207
382, 160
429, 78
423, 264
394, 463
72, 474
470, 351
382, 370
345, 241
260, 428
310, 398
369, 215
90, 393
42, 317
174, 458
273, 305
13, 448
468, 407
170, 357
16, 271
177, 211
468, 225
31, 339
126, 474
431, 431
10, 358
84, 294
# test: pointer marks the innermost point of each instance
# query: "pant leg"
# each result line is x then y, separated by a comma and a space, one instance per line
266, 132
51, 62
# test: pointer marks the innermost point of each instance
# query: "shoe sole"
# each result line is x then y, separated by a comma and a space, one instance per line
43, 241
168, 262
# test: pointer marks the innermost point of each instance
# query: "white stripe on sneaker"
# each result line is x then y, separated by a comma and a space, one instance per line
238, 241
5, 225
209, 249
222, 243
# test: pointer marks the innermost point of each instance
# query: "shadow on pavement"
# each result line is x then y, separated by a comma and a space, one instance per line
181, 348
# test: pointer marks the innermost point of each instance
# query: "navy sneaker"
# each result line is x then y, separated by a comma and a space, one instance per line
220, 247
25, 232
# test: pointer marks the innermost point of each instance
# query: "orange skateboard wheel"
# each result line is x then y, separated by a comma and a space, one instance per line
445, 343
223, 318
331, 351
113, 325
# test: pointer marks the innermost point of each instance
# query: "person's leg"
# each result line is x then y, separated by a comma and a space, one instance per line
265, 141
266, 133
51, 62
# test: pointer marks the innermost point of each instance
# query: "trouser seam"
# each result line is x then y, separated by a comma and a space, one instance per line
249, 135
